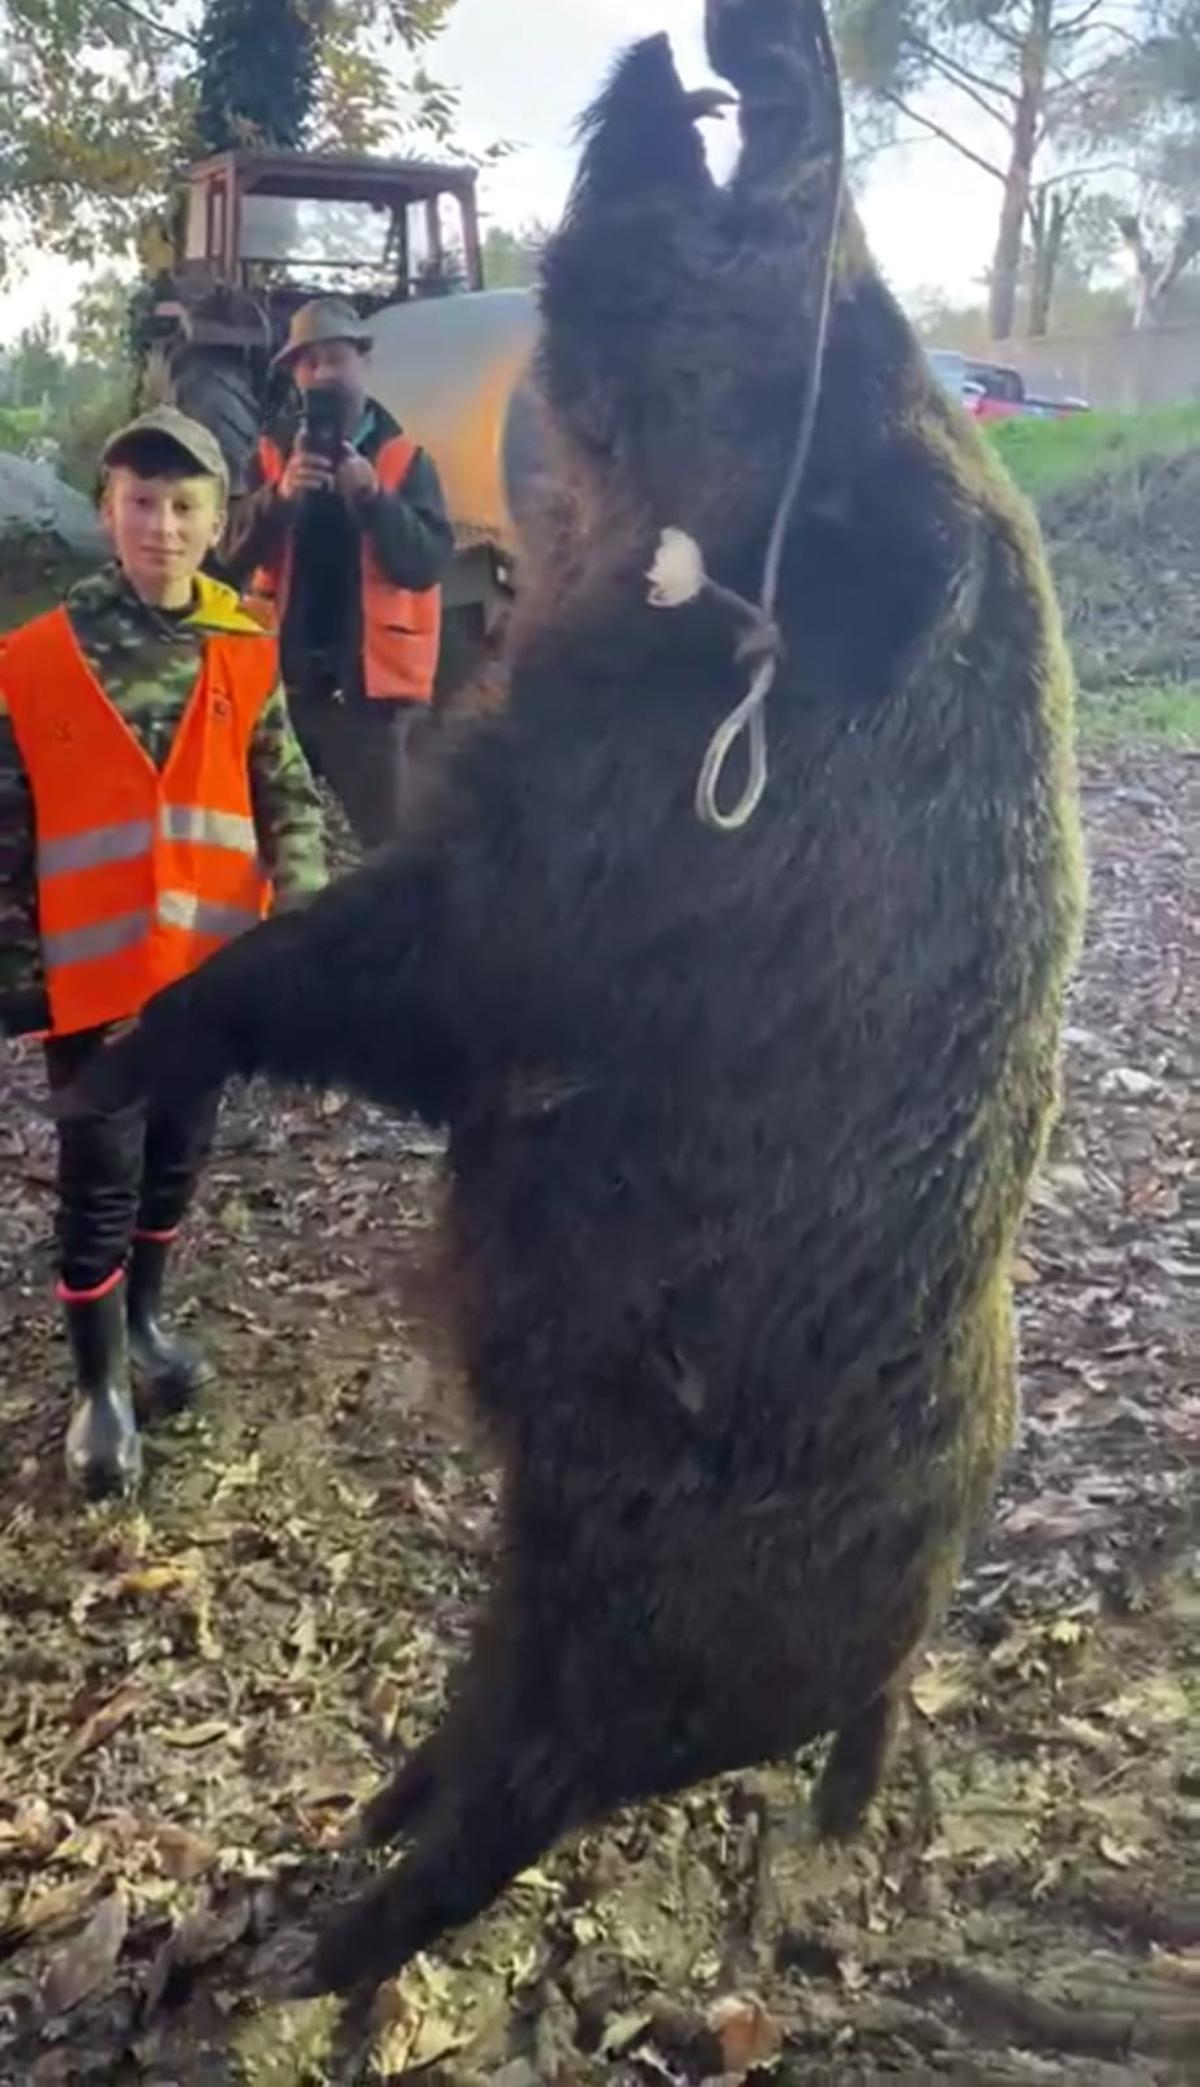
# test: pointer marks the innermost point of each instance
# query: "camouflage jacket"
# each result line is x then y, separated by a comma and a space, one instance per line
147, 664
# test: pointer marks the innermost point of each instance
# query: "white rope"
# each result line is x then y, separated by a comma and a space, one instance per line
748, 717
678, 574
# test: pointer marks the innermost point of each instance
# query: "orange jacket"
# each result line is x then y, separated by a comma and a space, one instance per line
401, 628
141, 874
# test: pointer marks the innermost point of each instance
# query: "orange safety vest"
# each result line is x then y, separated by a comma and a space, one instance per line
401, 626
141, 874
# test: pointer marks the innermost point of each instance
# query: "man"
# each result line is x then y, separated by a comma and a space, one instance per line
154, 802
347, 549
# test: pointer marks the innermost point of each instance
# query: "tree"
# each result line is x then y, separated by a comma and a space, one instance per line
105, 101
1157, 88
258, 65
100, 325
36, 366
1159, 269
91, 120
1012, 86
511, 259
1072, 237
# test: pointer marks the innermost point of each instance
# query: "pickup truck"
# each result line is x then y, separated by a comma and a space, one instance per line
991, 391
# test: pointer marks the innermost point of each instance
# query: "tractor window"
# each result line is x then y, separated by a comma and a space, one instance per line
437, 248
195, 246
333, 244
204, 237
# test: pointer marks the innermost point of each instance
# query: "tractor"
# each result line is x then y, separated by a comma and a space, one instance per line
261, 232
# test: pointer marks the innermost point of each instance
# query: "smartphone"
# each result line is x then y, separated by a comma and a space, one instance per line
321, 423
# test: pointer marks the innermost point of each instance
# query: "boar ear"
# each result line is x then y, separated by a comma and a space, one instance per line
640, 134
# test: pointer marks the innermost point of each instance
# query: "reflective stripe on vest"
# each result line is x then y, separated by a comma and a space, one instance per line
401, 627
85, 851
193, 822
81, 945
182, 909
141, 875
177, 822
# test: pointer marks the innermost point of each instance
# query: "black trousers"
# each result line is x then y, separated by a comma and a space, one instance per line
128, 1172
362, 747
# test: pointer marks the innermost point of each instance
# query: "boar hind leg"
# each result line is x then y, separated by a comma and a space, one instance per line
496, 1784
480, 1834
493, 1789
403, 1802
778, 55
857, 1764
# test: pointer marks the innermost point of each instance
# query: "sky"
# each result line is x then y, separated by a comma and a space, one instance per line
928, 213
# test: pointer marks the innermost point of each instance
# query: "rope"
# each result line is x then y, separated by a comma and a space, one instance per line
679, 573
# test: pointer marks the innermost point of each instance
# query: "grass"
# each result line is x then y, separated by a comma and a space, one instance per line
1160, 713
1044, 456
1050, 456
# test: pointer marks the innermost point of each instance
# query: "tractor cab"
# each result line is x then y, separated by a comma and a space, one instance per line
380, 231
257, 235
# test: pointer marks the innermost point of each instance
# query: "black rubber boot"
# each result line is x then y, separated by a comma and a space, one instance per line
104, 1455
172, 1374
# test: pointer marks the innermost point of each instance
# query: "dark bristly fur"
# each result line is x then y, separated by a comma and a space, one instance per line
741, 1128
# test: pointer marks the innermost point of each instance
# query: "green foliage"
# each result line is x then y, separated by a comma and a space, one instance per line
35, 367
1079, 309
258, 73
19, 426
1049, 97
879, 43
100, 326
105, 101
367, 101
70, 404
104, 406
91, 109
1047, 456
511, 259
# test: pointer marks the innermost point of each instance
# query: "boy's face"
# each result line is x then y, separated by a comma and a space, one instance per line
162, 528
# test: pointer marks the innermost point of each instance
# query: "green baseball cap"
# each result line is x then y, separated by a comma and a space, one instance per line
167, 423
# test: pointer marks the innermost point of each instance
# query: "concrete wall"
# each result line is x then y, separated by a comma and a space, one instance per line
1122, 370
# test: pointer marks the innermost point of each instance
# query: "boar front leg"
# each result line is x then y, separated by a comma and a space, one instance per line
352, 991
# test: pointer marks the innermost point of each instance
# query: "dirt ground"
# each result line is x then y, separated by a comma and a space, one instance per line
193, 1696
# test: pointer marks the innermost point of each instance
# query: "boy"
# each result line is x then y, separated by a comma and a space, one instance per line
154, 801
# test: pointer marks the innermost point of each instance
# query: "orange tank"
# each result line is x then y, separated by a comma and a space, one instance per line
455, 372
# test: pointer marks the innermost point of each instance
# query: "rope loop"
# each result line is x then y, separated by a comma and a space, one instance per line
678, 573
750, 718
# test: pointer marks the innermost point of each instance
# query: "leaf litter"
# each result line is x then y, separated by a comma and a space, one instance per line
195, 1695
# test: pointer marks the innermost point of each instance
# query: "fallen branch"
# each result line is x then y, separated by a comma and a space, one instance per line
1169, 1926
1143, 2025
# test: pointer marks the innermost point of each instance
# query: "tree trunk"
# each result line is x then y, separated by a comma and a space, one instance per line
1049, 215
1018, 180
1156, 280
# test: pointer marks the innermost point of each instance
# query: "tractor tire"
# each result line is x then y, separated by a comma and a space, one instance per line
215, 388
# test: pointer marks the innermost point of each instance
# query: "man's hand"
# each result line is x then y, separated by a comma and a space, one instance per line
357, 478
304, 473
